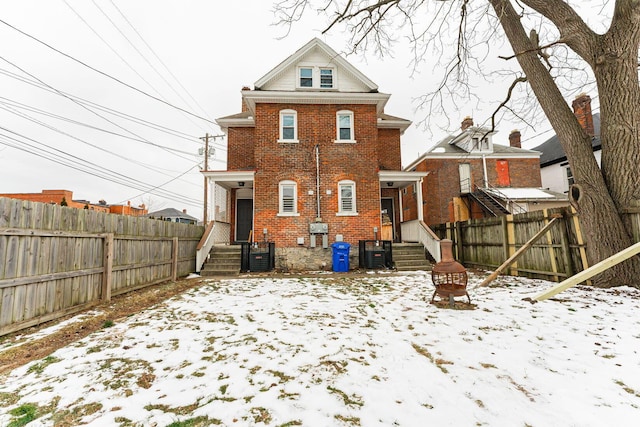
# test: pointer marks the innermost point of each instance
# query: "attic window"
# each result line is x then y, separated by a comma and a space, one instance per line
326, 78
306, 77
480, 144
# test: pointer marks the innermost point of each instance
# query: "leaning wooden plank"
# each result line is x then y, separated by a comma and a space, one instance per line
517, 254
589, 272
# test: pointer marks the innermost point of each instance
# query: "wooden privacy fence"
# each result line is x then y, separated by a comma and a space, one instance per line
55, 260
486, 243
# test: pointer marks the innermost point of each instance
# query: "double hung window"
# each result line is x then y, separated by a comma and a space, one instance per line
306, 77
288, 126
344, 124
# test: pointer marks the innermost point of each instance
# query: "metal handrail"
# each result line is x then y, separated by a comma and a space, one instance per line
509, 202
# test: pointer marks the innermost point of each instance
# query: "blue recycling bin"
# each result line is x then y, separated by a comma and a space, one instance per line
340, 256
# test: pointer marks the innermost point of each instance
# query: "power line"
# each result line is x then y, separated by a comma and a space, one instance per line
105, 74
106, 15
158, 57
97, 147
72, 161
117, 113
87, 108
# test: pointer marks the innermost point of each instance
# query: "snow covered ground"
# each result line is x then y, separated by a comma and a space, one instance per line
338, 350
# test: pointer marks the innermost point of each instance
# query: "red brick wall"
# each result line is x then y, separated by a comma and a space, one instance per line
297, 162
389, 156
240, 149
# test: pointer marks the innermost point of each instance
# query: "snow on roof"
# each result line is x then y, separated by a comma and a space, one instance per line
526, 193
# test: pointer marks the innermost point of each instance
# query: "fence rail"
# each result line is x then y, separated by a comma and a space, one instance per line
55, 260
486, 243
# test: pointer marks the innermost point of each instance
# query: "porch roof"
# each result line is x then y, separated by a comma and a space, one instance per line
231, 179
244, 179
399, 179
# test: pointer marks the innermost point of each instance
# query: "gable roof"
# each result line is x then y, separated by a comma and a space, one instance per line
171, 213
552, 151
446, 148
298, 55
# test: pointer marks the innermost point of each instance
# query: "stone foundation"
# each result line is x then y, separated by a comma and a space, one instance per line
310, 259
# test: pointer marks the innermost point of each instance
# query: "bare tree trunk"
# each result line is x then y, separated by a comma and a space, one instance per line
615, 66
605, 233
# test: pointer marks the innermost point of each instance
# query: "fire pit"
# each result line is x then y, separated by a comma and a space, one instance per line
449, 276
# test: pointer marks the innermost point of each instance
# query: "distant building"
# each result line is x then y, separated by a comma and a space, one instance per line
128, 209
65, 198
173, 215
554, 167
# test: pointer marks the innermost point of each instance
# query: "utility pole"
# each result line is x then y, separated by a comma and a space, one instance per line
206, 138
206, 180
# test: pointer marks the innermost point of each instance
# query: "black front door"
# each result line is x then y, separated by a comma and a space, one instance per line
244, 219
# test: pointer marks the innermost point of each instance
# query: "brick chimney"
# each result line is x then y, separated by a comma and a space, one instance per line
184, 211
244, 104
514, 139
466, 123
582, 109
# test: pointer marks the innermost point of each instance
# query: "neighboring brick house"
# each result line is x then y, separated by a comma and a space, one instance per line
470, 176
65, 197
554, 166
312, 159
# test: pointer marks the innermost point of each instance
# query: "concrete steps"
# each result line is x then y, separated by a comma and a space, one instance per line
410, 256
224, 260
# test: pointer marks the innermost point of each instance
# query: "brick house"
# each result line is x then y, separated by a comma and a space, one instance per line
312, 159
62, 197
470, 176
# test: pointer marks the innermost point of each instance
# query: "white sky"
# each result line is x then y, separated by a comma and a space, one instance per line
213, 48
324, 350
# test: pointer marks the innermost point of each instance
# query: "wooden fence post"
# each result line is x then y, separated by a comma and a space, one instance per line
458, 242
511, 243
566, 245
174, 260
108, 267
552, 252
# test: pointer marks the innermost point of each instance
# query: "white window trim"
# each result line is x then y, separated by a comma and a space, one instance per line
333, 78
281, 185
299, 77
354, 211
353, 135
293, 113
316, 79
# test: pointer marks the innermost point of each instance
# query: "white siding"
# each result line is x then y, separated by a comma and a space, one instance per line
554, 177
287, 80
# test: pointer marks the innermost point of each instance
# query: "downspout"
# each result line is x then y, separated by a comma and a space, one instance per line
484, 170
317, 148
